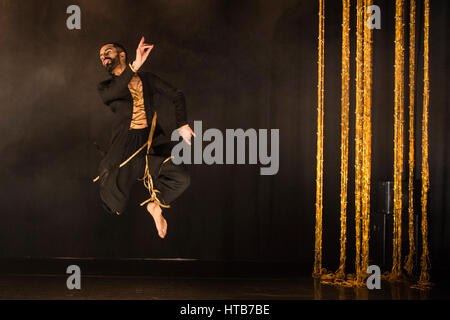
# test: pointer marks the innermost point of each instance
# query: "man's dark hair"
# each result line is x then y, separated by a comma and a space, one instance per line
119, 47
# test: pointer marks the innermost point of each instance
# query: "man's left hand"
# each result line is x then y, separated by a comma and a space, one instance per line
186, 133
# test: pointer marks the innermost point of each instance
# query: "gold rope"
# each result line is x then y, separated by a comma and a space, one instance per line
345, 104
319, 179
339, 278
367, 145
147, 179
360, 9
424, 280
396, 272
409, 264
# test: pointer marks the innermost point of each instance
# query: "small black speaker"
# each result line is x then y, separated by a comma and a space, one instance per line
382, 222
381, 225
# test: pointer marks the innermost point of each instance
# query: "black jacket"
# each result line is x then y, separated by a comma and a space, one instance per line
116, 95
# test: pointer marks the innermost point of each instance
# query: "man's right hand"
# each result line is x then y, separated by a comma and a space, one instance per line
142, 52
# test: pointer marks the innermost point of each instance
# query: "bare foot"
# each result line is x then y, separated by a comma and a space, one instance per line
161, 224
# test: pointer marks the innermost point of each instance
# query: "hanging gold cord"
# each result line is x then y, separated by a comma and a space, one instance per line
319, 158
424, 280
396, 272
409, 264
339, 278
367, 145
147, 179
345, 105
352, 279
359, 128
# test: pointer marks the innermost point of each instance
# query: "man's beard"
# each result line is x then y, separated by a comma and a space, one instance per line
112, 65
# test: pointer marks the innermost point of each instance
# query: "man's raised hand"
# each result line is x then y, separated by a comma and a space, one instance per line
142, 52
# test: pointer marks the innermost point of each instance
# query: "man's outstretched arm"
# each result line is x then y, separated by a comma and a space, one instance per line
177, 97
174, 95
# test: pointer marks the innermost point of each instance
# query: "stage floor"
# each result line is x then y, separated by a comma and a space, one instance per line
45, 287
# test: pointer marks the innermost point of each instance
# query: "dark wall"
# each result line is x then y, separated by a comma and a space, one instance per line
249, 64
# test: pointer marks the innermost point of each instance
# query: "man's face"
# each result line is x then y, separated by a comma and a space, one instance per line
109, 57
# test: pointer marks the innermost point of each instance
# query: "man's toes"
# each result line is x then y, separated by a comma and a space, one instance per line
163, 231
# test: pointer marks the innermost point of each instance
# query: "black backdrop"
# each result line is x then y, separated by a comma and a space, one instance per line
241, 64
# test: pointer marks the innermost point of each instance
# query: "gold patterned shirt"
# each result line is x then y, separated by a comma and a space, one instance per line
139, 119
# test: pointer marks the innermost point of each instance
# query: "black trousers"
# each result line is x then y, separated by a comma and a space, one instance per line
171, 180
